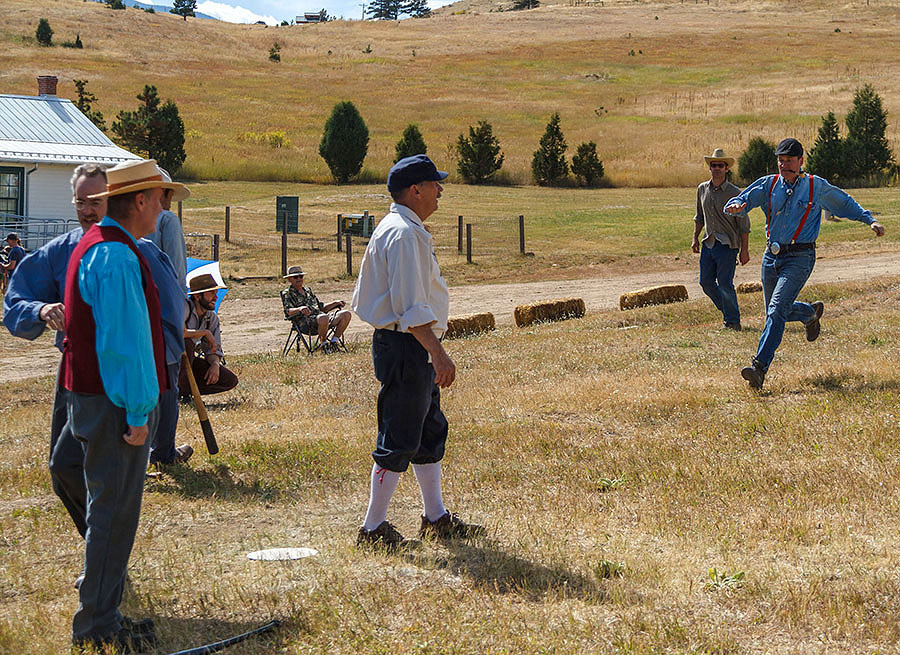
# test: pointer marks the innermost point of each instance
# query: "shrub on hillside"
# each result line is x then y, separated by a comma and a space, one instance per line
345, 142
548, 165
44, 33
410, 143
115, 4
275, 53
827, 157
479, 155
757, 160
868, 153
586, 165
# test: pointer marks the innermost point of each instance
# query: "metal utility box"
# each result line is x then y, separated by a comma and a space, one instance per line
360, 225
287, 208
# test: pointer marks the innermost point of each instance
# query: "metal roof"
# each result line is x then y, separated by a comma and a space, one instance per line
52, 129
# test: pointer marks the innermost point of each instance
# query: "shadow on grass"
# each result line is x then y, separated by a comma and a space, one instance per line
487, 564
205, 483
850, 382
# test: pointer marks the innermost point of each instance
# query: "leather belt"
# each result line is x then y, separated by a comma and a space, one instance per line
791, 247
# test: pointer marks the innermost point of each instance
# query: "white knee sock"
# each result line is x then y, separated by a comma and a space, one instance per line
429, 478
383, 485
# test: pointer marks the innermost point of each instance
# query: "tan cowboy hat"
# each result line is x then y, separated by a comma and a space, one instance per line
292, 271
203, 283
719, 155
179, 194
137, 176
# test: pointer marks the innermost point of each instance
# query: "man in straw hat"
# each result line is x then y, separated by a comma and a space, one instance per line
726, 238
169, 234
113, 368
309, 313
793, 202
35, 302
401, 293
203, 340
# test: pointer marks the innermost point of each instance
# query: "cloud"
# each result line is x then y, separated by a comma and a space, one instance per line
232, 14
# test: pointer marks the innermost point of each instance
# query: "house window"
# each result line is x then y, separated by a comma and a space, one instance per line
12, 198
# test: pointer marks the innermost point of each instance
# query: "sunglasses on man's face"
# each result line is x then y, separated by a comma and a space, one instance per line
717, 164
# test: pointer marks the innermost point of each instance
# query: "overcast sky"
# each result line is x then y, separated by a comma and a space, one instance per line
275, 11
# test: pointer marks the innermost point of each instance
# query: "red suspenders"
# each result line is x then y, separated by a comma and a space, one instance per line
802, 220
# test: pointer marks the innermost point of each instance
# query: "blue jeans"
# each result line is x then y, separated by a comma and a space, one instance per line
717, 266
783, 277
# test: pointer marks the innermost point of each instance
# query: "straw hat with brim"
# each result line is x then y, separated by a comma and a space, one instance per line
138, 176
719, 155
203, 283
293, 271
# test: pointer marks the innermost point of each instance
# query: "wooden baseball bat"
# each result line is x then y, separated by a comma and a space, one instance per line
211, 446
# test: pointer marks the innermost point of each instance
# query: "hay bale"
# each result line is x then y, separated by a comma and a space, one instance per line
553, 310
459, 326
749, 287
660, 295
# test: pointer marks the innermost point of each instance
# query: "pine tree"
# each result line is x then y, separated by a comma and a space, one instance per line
549, 166
183, 8
827, 157
479, 155
757, 160
44, 33
115, 4
84, 102
587, 165
345, 142
384, 9
867, 150
153, 130
411, 143
416, 8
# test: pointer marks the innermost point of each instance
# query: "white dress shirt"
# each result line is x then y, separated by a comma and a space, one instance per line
399, 280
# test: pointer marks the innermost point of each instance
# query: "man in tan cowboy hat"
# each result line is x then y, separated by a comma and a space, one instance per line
310, 314
113, 369
726, 238
169, 235
203, 340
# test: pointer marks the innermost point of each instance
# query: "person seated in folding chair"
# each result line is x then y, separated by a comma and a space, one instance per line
310, 316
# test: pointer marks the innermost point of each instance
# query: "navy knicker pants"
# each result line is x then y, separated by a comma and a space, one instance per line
411, 425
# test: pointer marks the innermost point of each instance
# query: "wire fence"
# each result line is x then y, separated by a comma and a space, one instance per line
35, 232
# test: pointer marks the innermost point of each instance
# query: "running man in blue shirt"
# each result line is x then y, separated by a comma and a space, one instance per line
792, 202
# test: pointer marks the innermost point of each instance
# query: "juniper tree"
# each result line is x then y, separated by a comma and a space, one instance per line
549, 166
479, 155
411, 143
345, 142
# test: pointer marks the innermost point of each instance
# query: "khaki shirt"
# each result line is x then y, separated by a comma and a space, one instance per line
711, 213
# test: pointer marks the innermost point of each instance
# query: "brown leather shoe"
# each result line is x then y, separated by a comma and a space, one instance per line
814, 327
385, 537
449, 526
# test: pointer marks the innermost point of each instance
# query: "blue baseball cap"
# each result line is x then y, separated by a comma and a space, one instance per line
412, 170
789, 147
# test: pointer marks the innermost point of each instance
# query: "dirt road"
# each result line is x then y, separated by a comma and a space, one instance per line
255, 325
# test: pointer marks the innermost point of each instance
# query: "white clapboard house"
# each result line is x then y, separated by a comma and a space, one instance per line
42, 139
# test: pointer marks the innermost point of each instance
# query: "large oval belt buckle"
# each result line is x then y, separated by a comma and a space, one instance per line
774, 248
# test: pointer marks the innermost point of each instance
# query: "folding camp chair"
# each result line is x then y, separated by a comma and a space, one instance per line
308, 335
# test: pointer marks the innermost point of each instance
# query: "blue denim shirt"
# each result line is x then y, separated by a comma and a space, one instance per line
789, 202
40, 278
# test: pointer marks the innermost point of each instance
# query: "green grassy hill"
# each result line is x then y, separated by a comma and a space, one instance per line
656, 85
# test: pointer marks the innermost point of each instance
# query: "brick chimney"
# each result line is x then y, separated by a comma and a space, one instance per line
47, 85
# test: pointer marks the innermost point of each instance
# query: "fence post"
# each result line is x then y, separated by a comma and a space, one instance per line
469, 243
339, 226
521, 234
227, 224
284, 247
459, 233
215, 248
179, 213
349, 256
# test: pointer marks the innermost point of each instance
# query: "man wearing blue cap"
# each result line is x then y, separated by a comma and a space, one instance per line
792, 201
401, 293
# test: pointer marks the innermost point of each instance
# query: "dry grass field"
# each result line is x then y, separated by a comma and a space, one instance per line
638, 498
655, 84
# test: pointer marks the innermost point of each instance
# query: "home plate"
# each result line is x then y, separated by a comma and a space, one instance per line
273, 554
